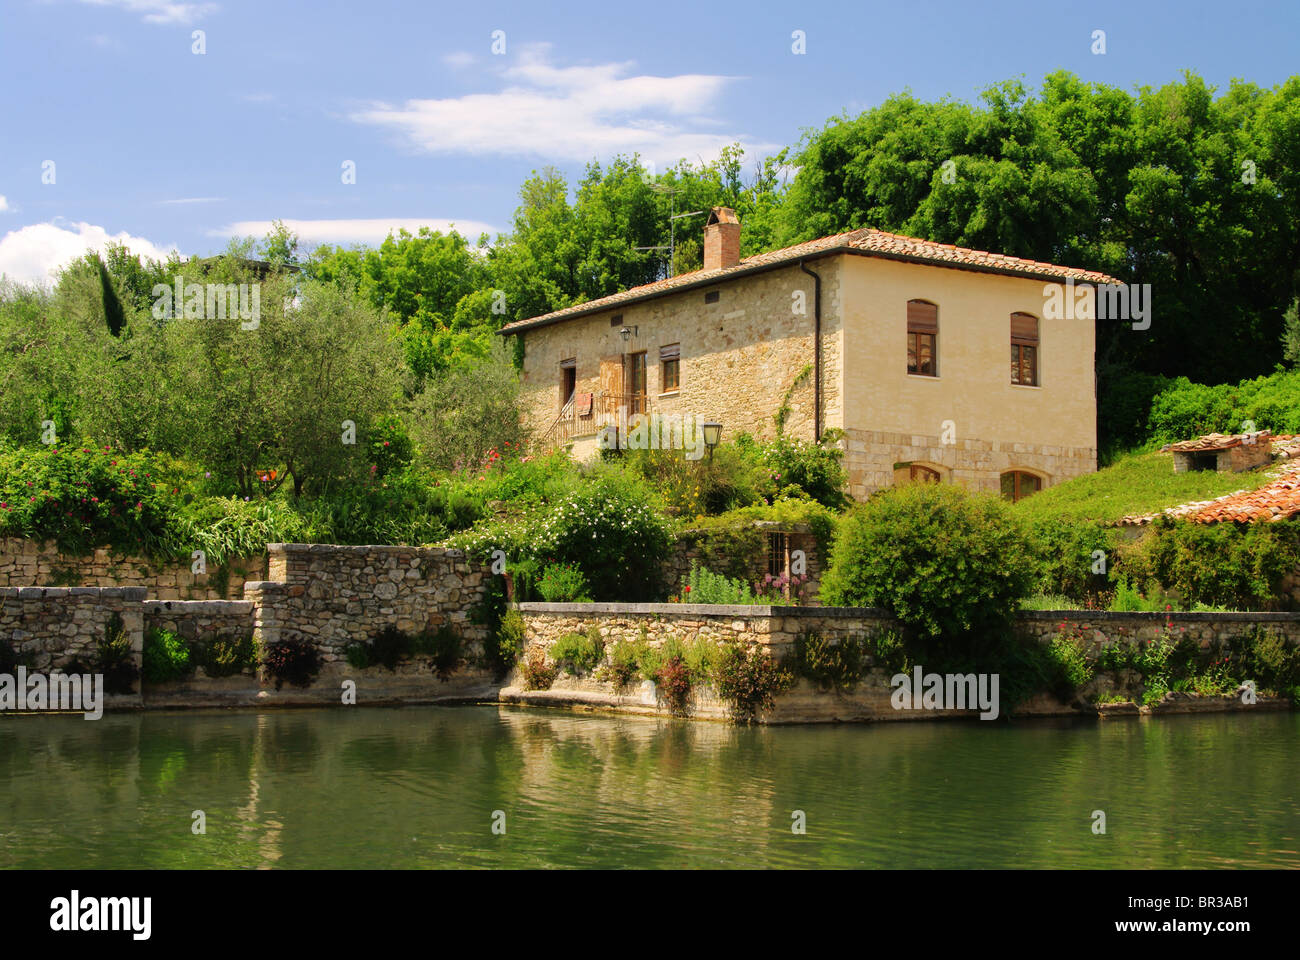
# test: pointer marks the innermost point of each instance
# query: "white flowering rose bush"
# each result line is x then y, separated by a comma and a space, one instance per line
609, 528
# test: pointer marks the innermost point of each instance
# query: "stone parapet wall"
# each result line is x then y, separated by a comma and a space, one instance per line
49, 628
1207, 629
870, 456
334, 595
771, 627
28, 563
200, 619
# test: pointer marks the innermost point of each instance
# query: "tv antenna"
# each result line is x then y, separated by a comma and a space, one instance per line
672, 224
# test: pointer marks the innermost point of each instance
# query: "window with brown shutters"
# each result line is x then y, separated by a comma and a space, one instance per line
1024, 349
922, 338
670, 370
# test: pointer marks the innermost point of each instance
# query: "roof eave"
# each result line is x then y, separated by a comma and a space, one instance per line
548, 320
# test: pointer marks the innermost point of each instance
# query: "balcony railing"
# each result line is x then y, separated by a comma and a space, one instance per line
587, 414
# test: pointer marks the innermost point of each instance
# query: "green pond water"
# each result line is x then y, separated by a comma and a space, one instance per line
418, 787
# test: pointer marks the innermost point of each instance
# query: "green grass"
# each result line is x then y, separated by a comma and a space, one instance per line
1135, 484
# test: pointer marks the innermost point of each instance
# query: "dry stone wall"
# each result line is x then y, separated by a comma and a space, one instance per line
50, 628
333, 595
26, 563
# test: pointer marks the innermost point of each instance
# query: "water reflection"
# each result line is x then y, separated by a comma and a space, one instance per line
417, 787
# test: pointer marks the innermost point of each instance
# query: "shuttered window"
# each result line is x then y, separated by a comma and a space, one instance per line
670, 370
1024, 349
922, 338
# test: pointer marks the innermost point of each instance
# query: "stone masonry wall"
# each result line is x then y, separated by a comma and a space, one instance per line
26, 563
333, 595
200, 619
740, 356
49, 627
870, 456
774, 628
1206, 628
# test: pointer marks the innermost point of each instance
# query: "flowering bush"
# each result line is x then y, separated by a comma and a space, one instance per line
84, 496
673, 679
748, 679
610, 531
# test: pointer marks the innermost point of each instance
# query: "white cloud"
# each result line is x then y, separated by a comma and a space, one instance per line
160, 11
346, 232
570, 113
4, 204
29, 254
459, 59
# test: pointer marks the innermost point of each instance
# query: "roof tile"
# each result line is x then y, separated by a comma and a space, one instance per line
866, 240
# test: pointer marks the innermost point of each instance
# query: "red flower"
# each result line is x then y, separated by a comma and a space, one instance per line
688, 588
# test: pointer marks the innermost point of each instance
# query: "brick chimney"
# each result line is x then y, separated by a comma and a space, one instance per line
721, 239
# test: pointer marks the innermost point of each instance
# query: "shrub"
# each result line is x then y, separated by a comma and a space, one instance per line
358, 655
673, 679
114, 658
1069, 651
832, 666
622, 666
389, 646
749, 679
166, 656
537, 673
226, 656
578, 653
509, 641
1221, 564
445, 647
290, 662
813, 470
563, 583
949, 564
703, 586
610, 529
701, 658
1066, 550
650, 658
83, 496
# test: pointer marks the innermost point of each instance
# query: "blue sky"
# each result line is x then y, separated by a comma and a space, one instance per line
166, 148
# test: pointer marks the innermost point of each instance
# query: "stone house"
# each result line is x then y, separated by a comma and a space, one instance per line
902, 344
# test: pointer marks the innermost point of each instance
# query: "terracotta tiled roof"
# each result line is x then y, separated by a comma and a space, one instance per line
867, 241
1277, 499
1216, 441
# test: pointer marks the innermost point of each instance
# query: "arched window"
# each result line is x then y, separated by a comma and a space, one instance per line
915, 473
1018, 484
1024, 349
922, 338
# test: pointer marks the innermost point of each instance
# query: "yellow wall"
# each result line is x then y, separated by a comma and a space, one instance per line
974, 387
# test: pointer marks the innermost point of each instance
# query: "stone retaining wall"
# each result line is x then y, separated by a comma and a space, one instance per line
775, 629
1206, 628
200, 619
49, 628
27, 563
333, 595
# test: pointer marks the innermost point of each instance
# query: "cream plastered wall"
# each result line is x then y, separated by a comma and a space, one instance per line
890, 416
739, 356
